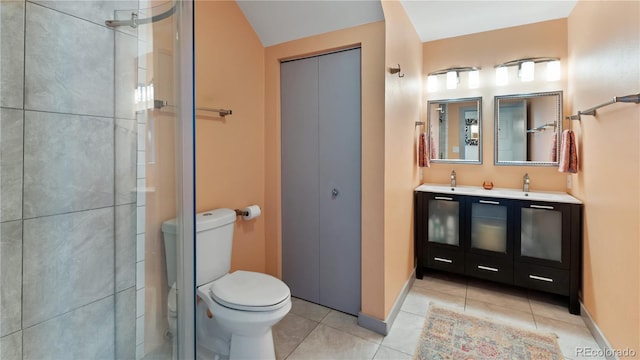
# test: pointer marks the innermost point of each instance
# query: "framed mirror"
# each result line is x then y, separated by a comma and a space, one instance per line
528, 129
455, 130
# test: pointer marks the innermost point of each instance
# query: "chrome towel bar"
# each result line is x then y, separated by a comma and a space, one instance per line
633, 98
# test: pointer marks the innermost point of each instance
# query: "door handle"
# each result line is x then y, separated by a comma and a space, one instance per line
334, 193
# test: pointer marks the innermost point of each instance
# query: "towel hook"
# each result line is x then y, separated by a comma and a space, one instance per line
397, 70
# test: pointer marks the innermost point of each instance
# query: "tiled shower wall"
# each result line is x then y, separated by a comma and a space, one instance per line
68, 179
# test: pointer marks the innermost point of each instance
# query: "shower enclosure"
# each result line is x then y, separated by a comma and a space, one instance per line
89, 171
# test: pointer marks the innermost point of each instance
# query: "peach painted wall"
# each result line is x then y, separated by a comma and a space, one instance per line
402, 110
371, 39
487, 49
230, 167
604, 53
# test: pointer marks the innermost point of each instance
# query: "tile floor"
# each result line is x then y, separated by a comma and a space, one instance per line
311, 331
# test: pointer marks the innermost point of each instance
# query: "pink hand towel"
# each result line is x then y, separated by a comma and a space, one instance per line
568, 154
423, 150
554, 147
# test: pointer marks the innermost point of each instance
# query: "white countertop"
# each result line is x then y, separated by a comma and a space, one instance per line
550, 196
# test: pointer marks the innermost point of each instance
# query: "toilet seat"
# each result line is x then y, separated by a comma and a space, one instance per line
249, 291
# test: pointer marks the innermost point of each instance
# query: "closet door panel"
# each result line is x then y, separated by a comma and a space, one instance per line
300, 177
339, 184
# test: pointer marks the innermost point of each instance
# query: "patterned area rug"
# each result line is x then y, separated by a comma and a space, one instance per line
448, 334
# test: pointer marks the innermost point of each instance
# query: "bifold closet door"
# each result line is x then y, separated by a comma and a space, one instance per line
321, 192
300, 180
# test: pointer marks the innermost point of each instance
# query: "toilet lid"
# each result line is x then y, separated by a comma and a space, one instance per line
251, 291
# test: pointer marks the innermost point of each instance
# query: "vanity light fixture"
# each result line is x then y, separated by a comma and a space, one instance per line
453, 78
526, 69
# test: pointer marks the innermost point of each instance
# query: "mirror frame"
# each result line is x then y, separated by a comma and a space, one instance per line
559, 128
478, 100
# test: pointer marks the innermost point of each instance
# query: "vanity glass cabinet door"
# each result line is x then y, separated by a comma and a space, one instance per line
490, 252
445, 222
443, 225
541, 232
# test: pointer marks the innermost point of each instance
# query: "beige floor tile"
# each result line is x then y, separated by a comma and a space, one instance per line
570, 337
449, 284
325, 342
512, 317
308, 309
385, 353
418, 300
290, 332
405, 333
498, 294
553, 307
349, 324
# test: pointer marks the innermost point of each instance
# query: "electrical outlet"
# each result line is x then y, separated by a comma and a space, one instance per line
568, 181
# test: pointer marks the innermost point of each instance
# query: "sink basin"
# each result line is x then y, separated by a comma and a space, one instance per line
548, 196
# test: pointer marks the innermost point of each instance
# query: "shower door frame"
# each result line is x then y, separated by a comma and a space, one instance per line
186, 180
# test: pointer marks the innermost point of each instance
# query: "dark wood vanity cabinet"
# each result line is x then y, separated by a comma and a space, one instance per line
442, 219
532, 244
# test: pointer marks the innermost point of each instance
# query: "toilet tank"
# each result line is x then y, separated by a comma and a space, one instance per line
214, 239
170, 255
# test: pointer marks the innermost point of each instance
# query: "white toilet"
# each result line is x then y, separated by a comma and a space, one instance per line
169, 236
243, 305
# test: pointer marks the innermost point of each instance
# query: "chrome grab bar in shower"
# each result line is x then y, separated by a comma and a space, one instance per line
159, 104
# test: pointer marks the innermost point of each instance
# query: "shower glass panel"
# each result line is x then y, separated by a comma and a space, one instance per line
87, 176
155, 157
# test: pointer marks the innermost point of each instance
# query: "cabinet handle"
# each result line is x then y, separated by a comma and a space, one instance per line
541, 207
489, 202
481, 267
541, 278
443, 198
448, 261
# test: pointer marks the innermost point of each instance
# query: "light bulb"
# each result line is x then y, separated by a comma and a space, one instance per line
502, 76
553, 70
452, 79
474, 79
527, 69
432, 83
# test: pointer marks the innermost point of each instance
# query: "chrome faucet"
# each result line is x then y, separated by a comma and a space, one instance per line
453, 178
525, 183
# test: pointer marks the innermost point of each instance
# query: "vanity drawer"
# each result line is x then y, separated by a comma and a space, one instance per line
490, 268
542, 278
445, 259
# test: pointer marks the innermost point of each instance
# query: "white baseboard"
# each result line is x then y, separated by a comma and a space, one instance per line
597, 334
383, 326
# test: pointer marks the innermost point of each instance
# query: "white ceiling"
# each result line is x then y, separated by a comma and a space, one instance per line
435, 20
276, 21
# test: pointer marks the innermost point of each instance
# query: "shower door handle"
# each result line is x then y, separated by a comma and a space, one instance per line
334, 193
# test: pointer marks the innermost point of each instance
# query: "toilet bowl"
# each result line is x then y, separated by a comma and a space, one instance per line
243, 306
169, 237
172, 318
235, 311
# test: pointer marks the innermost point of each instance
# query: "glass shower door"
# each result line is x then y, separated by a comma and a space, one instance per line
81, 260
151, 34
